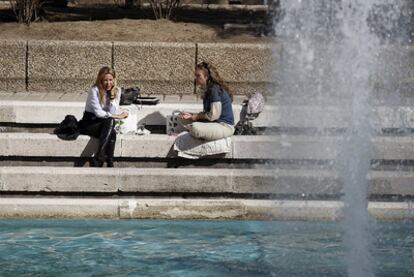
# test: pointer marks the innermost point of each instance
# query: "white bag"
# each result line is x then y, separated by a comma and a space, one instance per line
127, 125
192, 148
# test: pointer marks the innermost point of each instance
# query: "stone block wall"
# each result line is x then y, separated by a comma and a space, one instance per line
245, 67
157, 67
13, 65
65, 66
396, 63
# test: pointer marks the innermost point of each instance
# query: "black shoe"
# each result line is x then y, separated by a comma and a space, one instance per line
96, 163
101, 156
109, 163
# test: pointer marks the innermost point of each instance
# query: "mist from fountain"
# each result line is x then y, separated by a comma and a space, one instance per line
331, 56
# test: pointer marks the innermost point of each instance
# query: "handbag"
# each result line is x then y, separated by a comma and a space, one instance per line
174, 126
129, 95
68, 129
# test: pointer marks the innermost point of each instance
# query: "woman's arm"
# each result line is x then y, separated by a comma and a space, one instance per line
114, 106
213, 114
114, 103
213, 101
93, 105
120, 116
214, 104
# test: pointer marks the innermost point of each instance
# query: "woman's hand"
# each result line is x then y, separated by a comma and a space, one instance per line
185, 115
120, 116
194, 117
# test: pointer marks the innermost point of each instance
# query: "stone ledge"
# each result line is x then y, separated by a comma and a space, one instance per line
53, 112
284, 116
160, 146
276, 147
294, 182
178, 208
26, 207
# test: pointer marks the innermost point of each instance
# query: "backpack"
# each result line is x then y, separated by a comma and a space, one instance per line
68, 129
255, 103
251, 109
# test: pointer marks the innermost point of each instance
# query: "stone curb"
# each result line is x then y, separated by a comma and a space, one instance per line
272, 147
285, 116
293, 182
178, 208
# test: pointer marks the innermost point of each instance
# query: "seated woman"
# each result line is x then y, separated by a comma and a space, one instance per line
216, 120
100, 113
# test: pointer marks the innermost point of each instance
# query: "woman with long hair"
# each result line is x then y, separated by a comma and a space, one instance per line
216, 121
101, 110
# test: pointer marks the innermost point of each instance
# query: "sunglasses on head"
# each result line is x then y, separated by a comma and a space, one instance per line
206, 66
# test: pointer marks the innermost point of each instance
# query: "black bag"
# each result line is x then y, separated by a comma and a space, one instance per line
68, 129
245, 128
129, 95
147, 100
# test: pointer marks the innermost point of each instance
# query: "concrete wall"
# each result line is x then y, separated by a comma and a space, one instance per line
13, 65
65, 65
245, 67
397, 64
158, 68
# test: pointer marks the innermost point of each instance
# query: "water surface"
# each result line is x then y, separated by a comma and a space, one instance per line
193, 248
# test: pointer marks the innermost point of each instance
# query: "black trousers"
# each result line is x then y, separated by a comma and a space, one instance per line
104, 130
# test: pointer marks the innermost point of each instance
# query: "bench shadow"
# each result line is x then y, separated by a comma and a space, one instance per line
87, 152
154, 117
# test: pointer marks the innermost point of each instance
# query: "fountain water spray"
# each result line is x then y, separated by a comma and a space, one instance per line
331, 57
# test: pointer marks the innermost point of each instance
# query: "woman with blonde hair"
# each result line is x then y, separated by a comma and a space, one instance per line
101, 110
216, 121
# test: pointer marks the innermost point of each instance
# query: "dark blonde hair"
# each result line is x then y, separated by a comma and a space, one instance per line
101, 75
213, 77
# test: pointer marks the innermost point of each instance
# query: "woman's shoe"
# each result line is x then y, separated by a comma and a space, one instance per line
100, 156
109, 163
96, 163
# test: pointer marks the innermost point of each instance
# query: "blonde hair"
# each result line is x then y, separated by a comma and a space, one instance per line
213, 77
101, 75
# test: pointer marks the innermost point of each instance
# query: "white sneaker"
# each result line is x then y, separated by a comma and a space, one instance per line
142, 131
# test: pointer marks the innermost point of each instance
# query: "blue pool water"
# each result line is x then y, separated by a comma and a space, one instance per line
193, 248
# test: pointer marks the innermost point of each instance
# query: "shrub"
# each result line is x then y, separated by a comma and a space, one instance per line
164, 8
26, 11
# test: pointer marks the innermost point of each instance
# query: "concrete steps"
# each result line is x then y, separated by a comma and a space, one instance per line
289, 175
265, 147
285, 116
290, 183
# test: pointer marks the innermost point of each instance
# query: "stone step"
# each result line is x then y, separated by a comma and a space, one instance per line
53, 112
179, 208
285, 116
299, 183
272, 147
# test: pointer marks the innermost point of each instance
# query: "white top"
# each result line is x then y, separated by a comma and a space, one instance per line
107, 109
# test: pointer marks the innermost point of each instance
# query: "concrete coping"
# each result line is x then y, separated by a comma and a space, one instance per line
274, 115
178, 208
272, 147
298, 183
